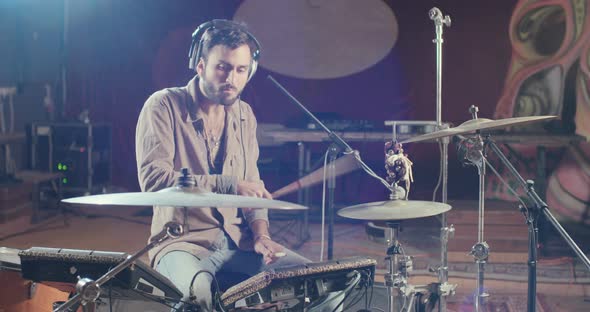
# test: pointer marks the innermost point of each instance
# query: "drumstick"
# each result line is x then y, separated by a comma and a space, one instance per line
342, 165
280, 254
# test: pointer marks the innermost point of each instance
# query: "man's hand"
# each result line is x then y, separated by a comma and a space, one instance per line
253, 189
269, 249
263, 244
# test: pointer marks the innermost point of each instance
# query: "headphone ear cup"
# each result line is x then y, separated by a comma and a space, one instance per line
197, 43
253, 68
192, 56
196, 56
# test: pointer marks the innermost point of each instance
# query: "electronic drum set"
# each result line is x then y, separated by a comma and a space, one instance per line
401, 294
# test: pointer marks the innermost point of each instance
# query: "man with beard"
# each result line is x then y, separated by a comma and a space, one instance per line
206, 127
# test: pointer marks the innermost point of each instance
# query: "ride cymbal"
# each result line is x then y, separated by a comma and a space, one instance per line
477, 124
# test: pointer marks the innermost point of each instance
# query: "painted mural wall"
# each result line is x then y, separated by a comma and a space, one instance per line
549, 75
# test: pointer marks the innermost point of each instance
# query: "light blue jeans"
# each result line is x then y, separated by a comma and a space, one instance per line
180, 267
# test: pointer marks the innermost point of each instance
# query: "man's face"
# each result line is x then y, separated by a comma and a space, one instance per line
224, 74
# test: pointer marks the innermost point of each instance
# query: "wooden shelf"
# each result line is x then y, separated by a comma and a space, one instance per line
36, 177
17, 137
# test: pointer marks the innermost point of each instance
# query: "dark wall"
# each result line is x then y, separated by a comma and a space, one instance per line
119, 52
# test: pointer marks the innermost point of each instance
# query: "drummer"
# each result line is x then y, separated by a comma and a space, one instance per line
207, 127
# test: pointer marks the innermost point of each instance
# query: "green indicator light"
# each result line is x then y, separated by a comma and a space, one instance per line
59, 166
64, 167
64, 180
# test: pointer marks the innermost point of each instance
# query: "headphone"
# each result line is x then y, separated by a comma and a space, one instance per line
194, 54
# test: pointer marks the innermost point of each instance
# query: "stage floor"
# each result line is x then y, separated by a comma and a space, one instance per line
563, 283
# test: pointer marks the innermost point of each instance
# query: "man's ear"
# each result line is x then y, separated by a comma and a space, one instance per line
200, 67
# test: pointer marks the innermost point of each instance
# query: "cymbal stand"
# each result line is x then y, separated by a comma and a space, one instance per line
536, 206
396, 278
88, 291
445, 288
472, 151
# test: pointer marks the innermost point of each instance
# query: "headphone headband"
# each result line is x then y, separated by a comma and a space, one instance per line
198, 42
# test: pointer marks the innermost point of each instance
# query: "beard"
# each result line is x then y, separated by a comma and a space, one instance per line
216, 93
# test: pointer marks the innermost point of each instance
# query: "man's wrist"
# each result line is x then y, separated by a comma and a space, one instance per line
261, 236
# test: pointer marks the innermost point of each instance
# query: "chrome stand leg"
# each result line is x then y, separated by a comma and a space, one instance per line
480, 251
441, 20
446, 232
397, 276
392, 275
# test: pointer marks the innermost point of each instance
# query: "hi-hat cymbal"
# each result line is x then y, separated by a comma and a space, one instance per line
477, 124
397, 209
183, 197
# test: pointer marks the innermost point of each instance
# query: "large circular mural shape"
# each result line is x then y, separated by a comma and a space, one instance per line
320, 39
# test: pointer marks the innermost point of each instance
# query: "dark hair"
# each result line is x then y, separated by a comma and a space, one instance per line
232, 37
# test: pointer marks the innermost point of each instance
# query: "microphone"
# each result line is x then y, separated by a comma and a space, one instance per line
396, 168
399, 168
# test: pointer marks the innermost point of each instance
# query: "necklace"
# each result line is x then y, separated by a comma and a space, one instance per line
213, 145
213, 140
214, 126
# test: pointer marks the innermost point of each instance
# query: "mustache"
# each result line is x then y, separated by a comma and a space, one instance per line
227, 87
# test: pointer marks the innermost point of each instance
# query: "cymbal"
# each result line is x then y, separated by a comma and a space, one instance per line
397, 209
477, 124
183, 197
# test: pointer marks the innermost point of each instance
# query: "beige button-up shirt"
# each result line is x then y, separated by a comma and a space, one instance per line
169, 136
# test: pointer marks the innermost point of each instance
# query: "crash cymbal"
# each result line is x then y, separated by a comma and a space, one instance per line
477, 124
183, 197
397, 209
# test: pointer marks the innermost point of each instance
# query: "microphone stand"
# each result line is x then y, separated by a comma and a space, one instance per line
332, 153
338, 146
536, 207
446, 231
333, 136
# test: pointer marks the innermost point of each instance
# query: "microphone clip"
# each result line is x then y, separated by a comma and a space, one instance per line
471, 150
